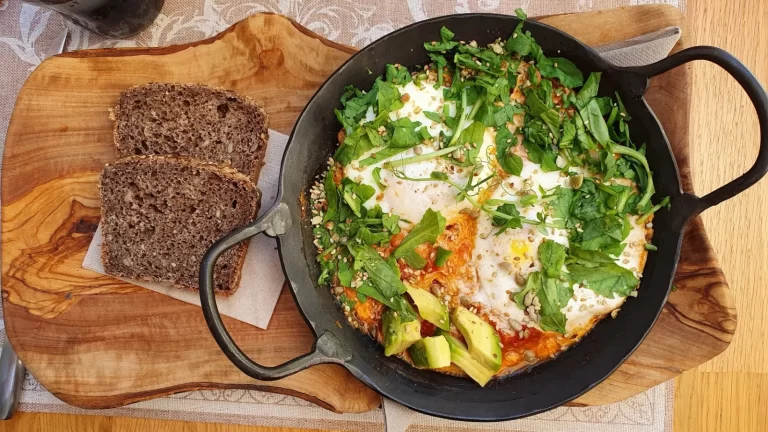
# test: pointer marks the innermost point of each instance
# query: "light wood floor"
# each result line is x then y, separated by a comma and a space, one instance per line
729, 393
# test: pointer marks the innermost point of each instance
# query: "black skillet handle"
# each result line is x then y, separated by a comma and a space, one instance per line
688, 206
327, 348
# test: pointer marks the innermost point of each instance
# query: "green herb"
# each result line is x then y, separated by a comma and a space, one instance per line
561, 205
563, 69
435, 117
664, 203
389, 97
397, 75
427, 230
405, 134
356, 194
528, 200
596, 123
371, 238
520, 42
356, 104
419, 158
331, 197
600, 273
380, 273
445, 43
552, 257
650, 247
442, 255
674, 288
381, 155
589, 91
505, 143
506, 216
376, 173
391, 222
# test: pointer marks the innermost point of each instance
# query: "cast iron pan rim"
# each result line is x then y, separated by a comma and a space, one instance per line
601, 64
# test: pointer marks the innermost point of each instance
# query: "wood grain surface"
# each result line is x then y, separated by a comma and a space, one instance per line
50, 302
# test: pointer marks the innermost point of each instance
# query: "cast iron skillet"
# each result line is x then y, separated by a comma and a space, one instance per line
548, 385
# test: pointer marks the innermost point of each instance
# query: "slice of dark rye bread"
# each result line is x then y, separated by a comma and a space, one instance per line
161, 213
206, 123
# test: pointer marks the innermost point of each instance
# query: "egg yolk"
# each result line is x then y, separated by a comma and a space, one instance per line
518, 248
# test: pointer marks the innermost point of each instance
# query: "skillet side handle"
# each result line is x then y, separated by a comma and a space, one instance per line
691, 205
327, 348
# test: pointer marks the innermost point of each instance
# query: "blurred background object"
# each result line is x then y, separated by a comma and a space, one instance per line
109, 18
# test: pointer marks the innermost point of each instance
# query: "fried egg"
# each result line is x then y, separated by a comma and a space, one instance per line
501, 261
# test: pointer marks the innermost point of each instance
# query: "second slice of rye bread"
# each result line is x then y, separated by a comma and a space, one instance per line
206, 123
161, 213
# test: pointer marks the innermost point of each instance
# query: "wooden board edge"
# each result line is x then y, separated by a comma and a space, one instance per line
134, 51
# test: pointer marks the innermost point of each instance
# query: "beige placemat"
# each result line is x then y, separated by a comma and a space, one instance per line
27, 31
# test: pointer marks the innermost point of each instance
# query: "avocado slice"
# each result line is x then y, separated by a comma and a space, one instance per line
399, 335
431, 352
430, 307
481, 337
461, 358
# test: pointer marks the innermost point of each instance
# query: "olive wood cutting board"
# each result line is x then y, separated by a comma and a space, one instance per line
97, 342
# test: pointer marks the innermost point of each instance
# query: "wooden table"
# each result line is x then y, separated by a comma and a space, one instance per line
727, 392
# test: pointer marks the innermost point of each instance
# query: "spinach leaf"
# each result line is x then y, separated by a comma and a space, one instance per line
601, 233
561, 206
582, 137
345, 274
427, 230
537, 108
554, 322
596, 123
511, 218
331, 197
589, 91
391, 222
354, 146
397, 75
520, 42
435, 117
601, 273
397, 303
545, 158
605, 104
405, 134
445, 43
563, 69
552, 257
356, 194
467, 61
371, 238
389, 97
569, 134
509, 161
442, 256
381, 275
356, 104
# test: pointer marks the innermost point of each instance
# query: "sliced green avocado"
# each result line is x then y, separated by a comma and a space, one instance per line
461, 358
399, 335
481, 337
431, 352
430, 307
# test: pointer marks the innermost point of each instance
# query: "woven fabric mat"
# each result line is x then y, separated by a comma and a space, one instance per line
26, 32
